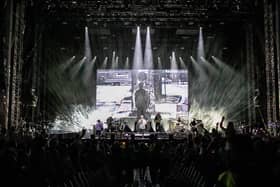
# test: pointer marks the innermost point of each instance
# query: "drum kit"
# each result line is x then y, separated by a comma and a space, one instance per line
177, 126
117, 125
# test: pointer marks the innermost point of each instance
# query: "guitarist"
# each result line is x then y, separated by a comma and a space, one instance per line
158, 122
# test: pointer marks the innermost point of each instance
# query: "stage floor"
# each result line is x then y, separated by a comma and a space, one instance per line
124, 136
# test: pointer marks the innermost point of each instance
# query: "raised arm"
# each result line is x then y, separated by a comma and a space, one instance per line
217, 127
221, 124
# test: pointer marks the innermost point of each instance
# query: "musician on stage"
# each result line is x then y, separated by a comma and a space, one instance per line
193, 125
179, 125
126, 127
98, 128
158, 122
141, 124
109, 122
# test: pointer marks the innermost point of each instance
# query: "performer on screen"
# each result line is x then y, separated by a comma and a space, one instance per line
158, 122
142, 100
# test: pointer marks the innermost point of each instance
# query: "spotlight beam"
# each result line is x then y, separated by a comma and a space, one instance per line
159, 65
200, 47
68, 63
88, 71
182, 63
77, 67
113, 59
138, 55
211, 69
173, 61
126, 65
87, 45
105, 63
148, 56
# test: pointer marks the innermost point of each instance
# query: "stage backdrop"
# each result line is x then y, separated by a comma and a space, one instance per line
166, 91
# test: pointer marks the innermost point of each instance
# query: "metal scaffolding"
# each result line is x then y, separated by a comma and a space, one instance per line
250, 61
271, 65
13, 67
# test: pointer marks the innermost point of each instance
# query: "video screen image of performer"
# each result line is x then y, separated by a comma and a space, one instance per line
142, 100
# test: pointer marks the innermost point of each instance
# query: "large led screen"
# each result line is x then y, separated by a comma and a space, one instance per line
164, 91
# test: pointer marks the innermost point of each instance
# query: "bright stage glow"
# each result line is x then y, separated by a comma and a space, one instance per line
217, 91
209, 115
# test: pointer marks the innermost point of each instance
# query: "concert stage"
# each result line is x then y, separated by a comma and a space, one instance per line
124, 136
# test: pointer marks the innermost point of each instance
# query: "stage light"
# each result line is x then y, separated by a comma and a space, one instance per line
199, 70
182, 63
138, 55
173, 61
203, 59
218, 62
87, 45
113, 62
192, 59
200, 47
159, 65
67, 64
148, 56
126, 65
77, 67
117, 62
211, 69
104, 65
191, 23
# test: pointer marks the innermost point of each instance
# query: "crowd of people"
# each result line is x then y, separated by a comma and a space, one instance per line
221, 158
